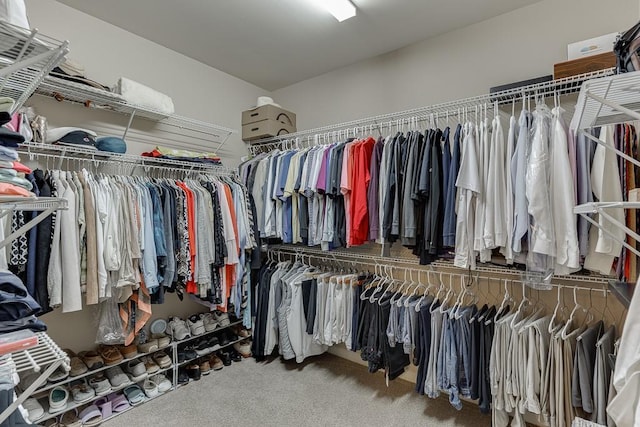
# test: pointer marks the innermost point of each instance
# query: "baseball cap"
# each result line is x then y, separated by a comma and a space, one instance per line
111, 144
78, 138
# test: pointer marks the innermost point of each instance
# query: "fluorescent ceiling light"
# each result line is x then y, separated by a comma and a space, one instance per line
340, 9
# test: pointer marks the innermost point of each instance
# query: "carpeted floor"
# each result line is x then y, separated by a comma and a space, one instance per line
323, 391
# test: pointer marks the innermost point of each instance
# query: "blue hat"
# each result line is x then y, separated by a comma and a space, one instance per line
112, 144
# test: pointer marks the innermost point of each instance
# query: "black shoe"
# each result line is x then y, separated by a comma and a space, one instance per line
193, 371
225, 357
181, 356
232, 337
183, 377
213, 343
223, 340
235, 356
202, 348
190, 352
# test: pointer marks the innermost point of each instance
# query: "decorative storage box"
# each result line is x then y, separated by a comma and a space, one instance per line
265, 129
269, 112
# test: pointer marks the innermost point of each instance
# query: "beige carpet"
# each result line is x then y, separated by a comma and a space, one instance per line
323, 391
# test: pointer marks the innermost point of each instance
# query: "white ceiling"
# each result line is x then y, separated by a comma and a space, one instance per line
276, 43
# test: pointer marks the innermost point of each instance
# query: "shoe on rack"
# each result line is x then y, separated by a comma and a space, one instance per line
149, 346
223, 339
202, 348
150, 366
134, 394
129, 351
92, 359
193, 370
214, 343
34, 408
117, 377
215, 362
221, 318
100, 384
162, 359
235, 356
136, 370
162, 381
150, 388
183, 378
196, 325
190, 351
70, 419
205, 367
78, 367
178, 329
58, 375
225, 357
110, 354
240, 331
58, 397
243, 348
210, 323
81, 391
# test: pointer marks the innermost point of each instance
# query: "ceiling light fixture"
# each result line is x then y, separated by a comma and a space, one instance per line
340, 9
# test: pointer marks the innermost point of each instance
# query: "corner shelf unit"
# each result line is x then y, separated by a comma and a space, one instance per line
607, 101
26, 57
44, 358
40, 390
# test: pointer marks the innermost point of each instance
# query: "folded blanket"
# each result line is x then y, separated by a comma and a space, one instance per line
143, 96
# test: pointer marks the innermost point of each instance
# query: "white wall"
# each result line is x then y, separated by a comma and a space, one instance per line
107, 53
515, 46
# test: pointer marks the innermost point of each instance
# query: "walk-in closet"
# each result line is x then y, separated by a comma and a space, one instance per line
331, 213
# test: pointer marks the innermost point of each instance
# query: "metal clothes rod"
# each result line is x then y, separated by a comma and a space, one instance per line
325, 258
352, 257
560, 86
61, 153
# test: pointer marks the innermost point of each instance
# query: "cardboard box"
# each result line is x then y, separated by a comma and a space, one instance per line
590, 47
584, 65
268, 112
265, 129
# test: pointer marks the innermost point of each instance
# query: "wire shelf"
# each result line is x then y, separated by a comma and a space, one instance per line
31, 203
26, 56
61, 152
88, 96
561, 87
608, 100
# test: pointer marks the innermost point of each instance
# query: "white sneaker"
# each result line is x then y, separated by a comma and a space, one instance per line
178, 329
210, 323
196, 325
162, 381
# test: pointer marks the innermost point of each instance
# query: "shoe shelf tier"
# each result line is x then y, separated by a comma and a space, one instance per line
44, 359
218, 329
26, 57
44, 205
89, 373
214, 349
71, 404
88, 96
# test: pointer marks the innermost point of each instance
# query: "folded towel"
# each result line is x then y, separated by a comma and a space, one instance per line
143, 96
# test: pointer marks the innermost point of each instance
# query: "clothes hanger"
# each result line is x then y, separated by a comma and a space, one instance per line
436, 298
424, 294
524, 304
507, 299
398, 294
565, 330
388, 281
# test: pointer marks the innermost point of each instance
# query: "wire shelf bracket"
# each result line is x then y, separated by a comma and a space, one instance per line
44, 205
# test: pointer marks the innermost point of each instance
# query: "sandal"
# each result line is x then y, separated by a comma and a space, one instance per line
134, 394
150, 388
111, 355
129, 351
162, 359
91, 416
119, 402
100, 384
70, 419
91, 359
81, 391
